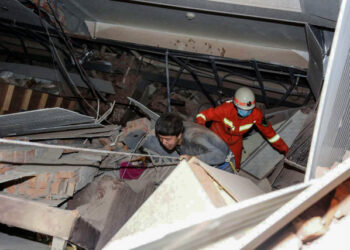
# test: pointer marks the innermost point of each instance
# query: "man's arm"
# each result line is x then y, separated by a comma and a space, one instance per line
215, 154
270, 134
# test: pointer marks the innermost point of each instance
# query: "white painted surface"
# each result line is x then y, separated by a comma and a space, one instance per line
290, 5
179, 197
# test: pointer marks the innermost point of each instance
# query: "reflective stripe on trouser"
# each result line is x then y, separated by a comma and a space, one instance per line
274, 139
237, 152
202, 116
226, 167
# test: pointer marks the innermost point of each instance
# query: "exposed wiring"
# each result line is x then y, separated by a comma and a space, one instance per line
135, 149
106, 114
62, 68
167, 79
70, 48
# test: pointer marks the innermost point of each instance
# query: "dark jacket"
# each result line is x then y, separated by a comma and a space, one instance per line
197, 141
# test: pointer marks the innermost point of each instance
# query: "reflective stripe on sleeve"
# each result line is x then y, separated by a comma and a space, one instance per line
245, 127
202, 116
274, 139
229, 123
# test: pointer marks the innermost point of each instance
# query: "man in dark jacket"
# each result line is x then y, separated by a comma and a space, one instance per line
174, 137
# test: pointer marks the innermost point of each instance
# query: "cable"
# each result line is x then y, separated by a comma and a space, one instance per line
88, 150
64, 72
70, 48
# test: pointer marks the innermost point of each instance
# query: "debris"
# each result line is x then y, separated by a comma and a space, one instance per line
263, 160
239, 188
135, 131
153, 116
43, 120
131, 170
107, 203
310, 229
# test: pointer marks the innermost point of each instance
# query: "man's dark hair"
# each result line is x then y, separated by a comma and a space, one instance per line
169, 124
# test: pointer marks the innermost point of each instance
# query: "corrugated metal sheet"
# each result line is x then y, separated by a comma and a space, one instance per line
332, 130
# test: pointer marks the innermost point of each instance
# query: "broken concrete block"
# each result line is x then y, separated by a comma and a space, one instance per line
108, 203
343, 208
17, 155
142, 123
135, 131
5, 167
309, 229
342, 195
50, 182
106, 143
264, 159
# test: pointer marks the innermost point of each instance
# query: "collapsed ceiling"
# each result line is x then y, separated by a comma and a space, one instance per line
89, 56
211, 46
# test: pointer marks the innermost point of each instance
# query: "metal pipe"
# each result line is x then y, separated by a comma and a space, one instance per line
167, 80
295, 165
87, 150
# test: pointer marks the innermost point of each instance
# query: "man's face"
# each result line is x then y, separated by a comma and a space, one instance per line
169, 141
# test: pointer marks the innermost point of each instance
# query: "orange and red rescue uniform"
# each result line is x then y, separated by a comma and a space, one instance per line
230, 127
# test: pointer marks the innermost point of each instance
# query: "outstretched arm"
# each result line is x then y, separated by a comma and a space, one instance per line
270, 134
215, 150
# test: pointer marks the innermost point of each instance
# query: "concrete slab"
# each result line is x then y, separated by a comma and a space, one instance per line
263, 160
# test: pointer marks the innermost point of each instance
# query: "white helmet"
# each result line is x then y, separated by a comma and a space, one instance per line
244, 99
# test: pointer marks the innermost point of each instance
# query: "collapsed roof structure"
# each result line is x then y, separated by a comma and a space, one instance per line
83, 81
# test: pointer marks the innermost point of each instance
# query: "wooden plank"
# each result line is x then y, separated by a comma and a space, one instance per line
238, 187
3, 89
8, 98
208, 184
72, 105
58, 102
37, 217
43, 100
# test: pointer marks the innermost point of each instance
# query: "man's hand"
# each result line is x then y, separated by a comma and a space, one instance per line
186, 157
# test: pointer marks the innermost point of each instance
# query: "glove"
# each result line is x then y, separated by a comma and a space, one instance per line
284, 149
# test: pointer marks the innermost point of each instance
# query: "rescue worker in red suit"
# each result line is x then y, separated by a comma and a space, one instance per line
232, 119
